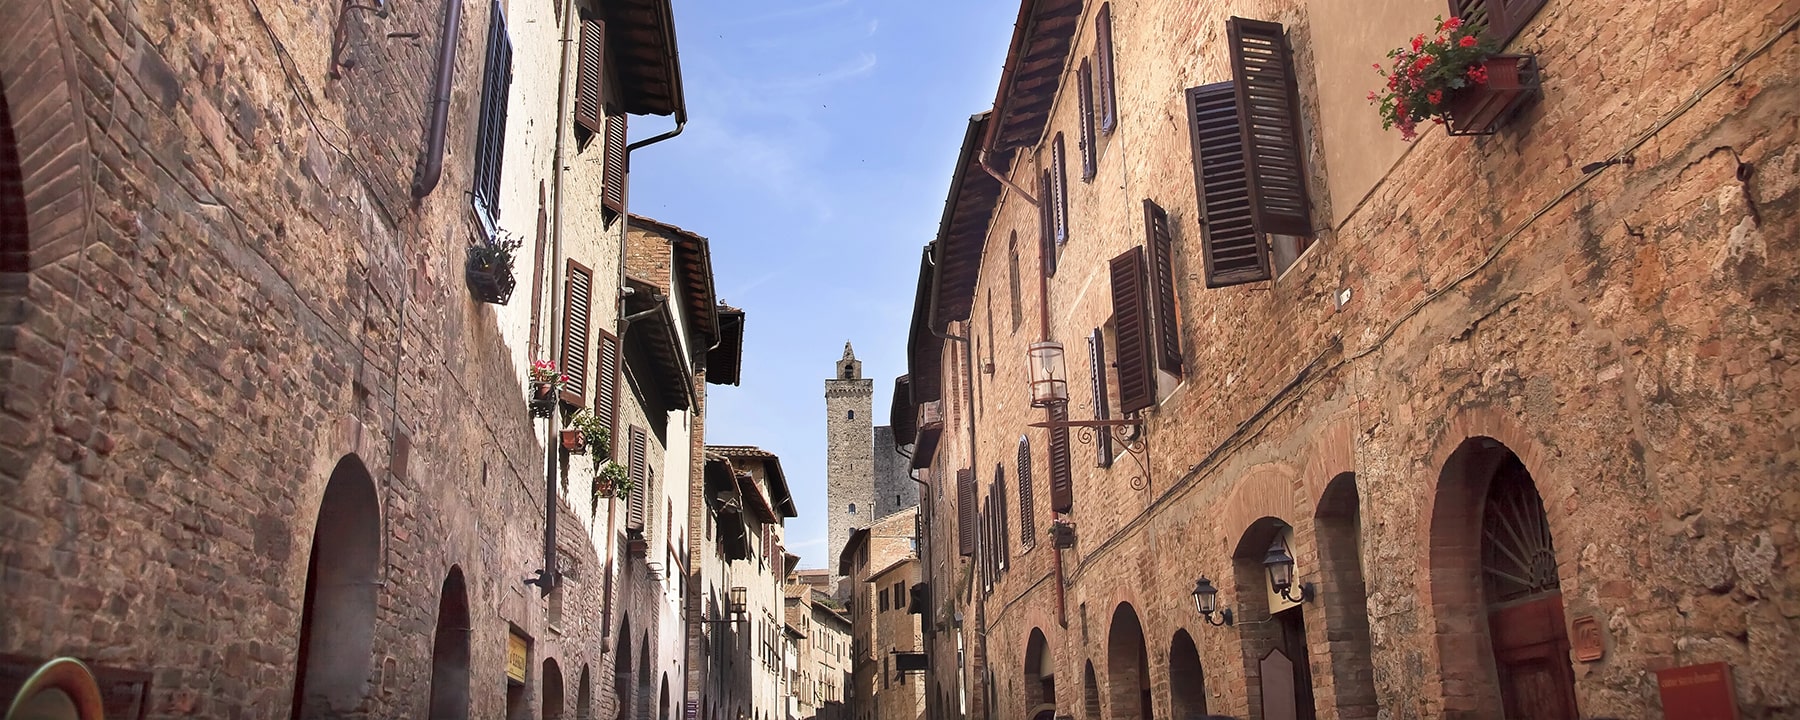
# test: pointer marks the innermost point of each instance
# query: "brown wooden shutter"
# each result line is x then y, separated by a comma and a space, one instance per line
1103, 52
1090, 158
1233, 251
1062, 482
612, 196
1268, 107
965, 512
1503, 18
590, 77
1059, 185
606, 384
638, 466
1046, 227
1103, 440
1131, 321
1003, 529
1162, 287
1027, 496
579, 289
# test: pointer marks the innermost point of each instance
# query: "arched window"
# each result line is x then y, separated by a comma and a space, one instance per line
1027, 521
852, 508
1012, 276
851, 415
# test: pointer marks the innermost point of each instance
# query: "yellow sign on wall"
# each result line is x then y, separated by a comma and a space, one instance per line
518, 652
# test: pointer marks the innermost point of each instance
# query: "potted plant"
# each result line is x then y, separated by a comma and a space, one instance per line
611, 480
489, 268
546, 383
587, 432
1454, 79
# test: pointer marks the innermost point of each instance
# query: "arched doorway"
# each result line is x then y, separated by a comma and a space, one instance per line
1187, 684
1494, 581
1337, 525
552, 707
584, 697
662, 699
15, 223
622, 670
337, 624
1090, 693
1274, 651
450, 651
1127, 667
1040, 674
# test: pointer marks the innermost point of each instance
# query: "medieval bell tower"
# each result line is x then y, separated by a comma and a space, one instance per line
849, 453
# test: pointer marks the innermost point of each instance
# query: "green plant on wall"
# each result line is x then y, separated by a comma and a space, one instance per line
595, 434
611, 480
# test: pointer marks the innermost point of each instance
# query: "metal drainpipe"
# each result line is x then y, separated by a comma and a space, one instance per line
431, 158
551, 577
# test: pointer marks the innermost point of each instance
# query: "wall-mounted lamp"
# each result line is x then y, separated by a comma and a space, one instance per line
1206, 600
1049, 373
1281, 574
738, 609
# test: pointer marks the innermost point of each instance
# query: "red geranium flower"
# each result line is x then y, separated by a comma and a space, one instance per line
1467, 41
1436, 97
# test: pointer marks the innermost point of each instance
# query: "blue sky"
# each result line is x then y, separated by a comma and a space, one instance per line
819, 147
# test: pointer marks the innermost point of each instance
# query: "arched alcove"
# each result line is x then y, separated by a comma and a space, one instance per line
584, 696
1187, 683
1496, 589
1090, 693
1039, 671
622, 670
1337, 526
1127, 667
551, 705
450, 651
1275, 651
662, 699
337, 624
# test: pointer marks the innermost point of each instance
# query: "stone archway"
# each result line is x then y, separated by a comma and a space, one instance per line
1273, 633
1337, 529
622, 670
337, 623
1187, 682
551, 707
1090, 693
1039, 671
450, 651
1127, 667
45, 207
584, 696
1496, 591
662, 699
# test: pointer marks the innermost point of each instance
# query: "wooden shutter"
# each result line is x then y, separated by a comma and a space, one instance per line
1162, 287
965, 512
590, 77
1062, 484
1046, 227
1234, 254
1002, 527
1059, 185
1131, 321
1090, 158
490, 136
1268, 108
606, 384
1027, 495
1103, 455
579, 294
1103, 52
638, 466
1503, 18
612, 196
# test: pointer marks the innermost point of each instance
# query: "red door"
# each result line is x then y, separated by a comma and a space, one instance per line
1531, 653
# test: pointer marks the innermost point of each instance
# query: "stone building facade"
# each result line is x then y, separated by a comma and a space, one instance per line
1516, 407
880, 566
261, 446
822, 670
739, 659
866, 477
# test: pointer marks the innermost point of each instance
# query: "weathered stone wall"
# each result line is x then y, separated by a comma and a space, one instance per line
1623, 334
234, 293
894, 489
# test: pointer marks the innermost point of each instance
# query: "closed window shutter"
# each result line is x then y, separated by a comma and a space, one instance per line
1059, 185
613, 166
1085, 94
1268, 107
1046, 226
1162, 287
1233, 252
490, 136
606, 384
590, 77
580, 288
1027, 496
1503, 18
1062, 482
638, 465
1131, 320
965, 513
1003, 529
1103, 52
1103, 455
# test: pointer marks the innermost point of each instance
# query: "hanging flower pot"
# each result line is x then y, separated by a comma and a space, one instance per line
574, 442
546, 384
1482, 108
489, 269
610, 480
1454, 79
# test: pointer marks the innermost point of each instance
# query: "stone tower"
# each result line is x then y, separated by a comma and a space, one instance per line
849, 453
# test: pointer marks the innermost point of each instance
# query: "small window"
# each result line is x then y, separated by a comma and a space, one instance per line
851, 415
490, 135
852, 508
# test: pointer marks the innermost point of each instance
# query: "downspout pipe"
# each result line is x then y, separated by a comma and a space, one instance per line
551, 575
430, 167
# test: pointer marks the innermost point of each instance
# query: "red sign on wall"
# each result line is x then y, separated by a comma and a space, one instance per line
1698, 692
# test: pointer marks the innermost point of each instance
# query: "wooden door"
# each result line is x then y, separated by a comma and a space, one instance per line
1531, 655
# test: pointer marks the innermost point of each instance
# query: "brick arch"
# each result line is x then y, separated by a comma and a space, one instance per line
1261, 491
1329, 453
50, 135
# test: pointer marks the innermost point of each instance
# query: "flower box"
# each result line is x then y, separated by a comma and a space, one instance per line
1482, 108
574, 441
489, 273
543, 399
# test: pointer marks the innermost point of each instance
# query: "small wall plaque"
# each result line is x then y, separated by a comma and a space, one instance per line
1698, 692
1590, 645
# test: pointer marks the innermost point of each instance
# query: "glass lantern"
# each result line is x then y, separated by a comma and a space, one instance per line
1049, 374
1281, 569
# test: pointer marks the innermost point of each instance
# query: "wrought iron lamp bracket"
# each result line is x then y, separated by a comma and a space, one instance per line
1136, 445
